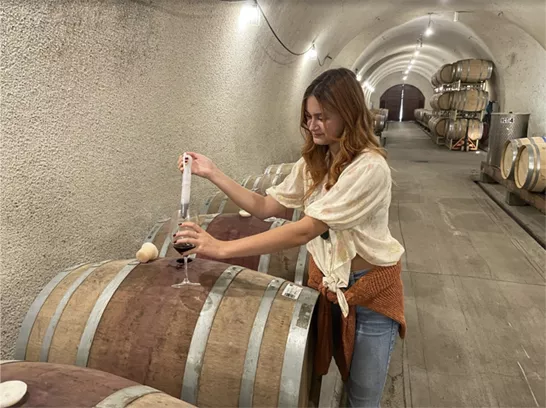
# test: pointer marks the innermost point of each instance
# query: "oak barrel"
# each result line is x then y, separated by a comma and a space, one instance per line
434, 80
240, 338
510, 151
378, 122
261, 182
472, 70
470, 100
530, 167
437, 125
282, 169
442, 101
62, 385
445, 74
221, 203
290, 264
456, 129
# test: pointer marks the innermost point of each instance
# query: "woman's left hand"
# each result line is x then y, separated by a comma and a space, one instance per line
204, 243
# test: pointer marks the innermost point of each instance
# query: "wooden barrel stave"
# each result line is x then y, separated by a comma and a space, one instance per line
378, 122
445, 74
437, 125
60, 385
471, 100
282, 169
530, 167
473, 70
456, 129
260, 183
145, 330
442, 101
510, 151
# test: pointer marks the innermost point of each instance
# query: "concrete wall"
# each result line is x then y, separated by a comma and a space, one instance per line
98, 101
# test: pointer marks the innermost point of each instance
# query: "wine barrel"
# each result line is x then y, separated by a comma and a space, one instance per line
239, 338
437, 125
456, 129
446, 74
441, 101
434, 80
378, 122
510, 151
471, 100
221, 203
261, 182
62, 385
472, 70
282, 169
418, 113
290, 264
530, 167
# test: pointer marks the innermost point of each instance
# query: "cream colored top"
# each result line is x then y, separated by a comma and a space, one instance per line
356, 209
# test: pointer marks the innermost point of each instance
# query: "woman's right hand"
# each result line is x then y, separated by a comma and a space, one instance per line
201, 165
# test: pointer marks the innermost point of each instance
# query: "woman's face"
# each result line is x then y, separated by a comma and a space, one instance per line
325, 126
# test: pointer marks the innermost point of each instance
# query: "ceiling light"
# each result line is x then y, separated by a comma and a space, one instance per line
407, 71
429, 30
456, 16
416, 53
412, 62
406, 77
312, 53
359, 77
250, 15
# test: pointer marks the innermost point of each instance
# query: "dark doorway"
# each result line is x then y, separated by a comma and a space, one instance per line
404, 95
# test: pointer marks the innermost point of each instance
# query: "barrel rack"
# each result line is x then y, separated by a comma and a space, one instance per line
514, 195
464, 143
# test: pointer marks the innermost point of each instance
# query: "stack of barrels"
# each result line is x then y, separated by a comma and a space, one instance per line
459, 100
240, 335
423, 116
523, 160
380, 117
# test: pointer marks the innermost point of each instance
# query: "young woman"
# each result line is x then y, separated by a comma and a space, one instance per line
343, 184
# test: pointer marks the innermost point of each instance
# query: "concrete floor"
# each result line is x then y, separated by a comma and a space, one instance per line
474, 283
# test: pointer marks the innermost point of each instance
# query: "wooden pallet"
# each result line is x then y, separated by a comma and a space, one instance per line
515, 195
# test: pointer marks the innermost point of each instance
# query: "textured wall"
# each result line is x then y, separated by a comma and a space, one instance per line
98, 100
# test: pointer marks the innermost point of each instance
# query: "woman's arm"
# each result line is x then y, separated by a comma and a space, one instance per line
257, 205
288, 236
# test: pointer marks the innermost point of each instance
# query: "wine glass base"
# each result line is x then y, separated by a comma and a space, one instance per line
185, 282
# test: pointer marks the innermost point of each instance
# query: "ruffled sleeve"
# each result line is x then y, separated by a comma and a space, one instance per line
290, 192
362, 188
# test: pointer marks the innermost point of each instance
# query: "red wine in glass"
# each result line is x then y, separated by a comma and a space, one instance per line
182, 247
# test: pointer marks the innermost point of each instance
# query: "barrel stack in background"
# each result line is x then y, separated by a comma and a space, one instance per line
458, 103
380, 119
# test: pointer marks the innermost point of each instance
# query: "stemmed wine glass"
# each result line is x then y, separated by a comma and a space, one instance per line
183, 247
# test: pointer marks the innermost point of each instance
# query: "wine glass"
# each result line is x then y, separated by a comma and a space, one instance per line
183, 247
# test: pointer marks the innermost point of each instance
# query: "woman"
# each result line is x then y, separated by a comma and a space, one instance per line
343, 184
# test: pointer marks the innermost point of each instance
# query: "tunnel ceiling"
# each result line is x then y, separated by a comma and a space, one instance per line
380, 40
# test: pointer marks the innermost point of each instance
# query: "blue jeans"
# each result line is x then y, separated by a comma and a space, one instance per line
374, 340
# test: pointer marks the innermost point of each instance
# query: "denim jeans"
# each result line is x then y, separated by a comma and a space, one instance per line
374, 340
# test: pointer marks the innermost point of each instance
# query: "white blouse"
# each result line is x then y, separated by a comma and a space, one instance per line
356, 209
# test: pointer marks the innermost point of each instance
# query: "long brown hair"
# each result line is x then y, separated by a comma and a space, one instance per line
338, 90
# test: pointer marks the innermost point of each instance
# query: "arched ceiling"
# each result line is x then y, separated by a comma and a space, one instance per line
393, 50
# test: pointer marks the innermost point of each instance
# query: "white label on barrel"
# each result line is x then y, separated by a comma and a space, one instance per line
292, 291
507, 120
